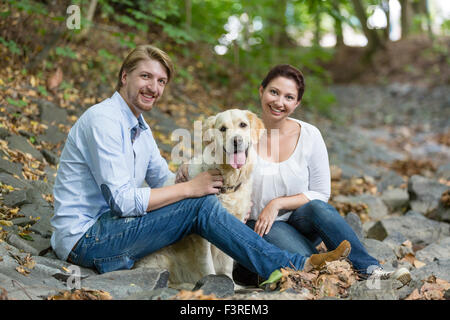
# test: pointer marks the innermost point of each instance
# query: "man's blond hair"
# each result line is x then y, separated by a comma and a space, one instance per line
144, 52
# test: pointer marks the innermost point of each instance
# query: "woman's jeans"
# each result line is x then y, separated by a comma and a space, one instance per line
115, 243
312, 223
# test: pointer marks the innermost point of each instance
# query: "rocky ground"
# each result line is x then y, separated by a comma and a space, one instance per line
389, 148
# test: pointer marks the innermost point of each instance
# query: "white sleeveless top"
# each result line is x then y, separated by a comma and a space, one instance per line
306, 171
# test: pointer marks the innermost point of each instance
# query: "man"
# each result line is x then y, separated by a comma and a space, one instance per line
105, 219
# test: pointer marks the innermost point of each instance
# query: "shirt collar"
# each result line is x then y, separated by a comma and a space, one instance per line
130, 118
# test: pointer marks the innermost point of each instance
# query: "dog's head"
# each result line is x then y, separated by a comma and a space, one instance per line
233, 132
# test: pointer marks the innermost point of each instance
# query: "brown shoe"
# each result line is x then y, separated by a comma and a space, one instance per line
317, 261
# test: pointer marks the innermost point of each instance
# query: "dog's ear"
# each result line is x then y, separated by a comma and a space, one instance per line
207, 125
256, 126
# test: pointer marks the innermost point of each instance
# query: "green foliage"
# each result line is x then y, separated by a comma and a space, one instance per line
65, 52
17, 103
29, 6
12, 46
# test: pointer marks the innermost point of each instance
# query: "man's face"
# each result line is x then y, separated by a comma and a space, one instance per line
144, 85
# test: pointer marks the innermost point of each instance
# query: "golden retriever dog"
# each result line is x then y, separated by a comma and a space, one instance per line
232, 134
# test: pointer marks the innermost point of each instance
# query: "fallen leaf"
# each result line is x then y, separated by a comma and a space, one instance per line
81, 294
415, 295
193, 295
55, 80
22, 270
6, 223
418, 264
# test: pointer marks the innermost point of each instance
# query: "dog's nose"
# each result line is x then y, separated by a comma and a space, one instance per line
237, 141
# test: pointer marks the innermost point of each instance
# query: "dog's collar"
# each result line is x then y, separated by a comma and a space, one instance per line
230, 189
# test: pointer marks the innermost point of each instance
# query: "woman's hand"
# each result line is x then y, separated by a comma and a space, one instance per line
182, 174
208, 182
267, 217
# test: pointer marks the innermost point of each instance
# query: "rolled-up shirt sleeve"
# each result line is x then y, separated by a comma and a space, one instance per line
319, 170
158, 170
104, 139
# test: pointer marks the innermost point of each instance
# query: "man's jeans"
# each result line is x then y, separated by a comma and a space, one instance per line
115, 243
312, 223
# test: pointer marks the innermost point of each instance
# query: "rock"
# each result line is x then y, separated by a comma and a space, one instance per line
395, 199
377, 210
51, 114
380, 251
406, 290
439, 268
34, 286
37, 246
20, 143
395, 239
375, 290
425, 194
123, 283
4, 133
443, 171
391, 179
11, 167
442, 213
416, 228
17, 198
438, 250
220, 285
158, 294
8, 179
355, 223
53, 135
50, 157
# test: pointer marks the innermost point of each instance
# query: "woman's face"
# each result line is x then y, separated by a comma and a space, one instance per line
279, 98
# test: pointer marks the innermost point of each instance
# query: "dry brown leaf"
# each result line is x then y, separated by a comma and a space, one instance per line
81, 294
445, 199
409, 257
415, 295
193, 295
3, 294
418, 264
22, 270
54, 80
407, 244
328, 285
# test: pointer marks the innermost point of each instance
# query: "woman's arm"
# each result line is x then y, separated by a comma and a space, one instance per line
270, 212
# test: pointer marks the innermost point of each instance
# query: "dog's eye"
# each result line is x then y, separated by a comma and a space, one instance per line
223, 129
242, 125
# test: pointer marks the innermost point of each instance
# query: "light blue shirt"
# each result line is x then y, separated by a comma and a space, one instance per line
103, 168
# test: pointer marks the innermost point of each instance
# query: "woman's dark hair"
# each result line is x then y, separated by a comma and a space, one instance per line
286, 71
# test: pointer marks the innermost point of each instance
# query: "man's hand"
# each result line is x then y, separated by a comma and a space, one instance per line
267, 217
182, 174
208, 182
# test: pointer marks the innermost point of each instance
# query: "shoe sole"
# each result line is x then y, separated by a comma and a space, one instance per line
404, 276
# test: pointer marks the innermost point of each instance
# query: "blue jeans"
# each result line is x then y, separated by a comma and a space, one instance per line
115, 243
312, 223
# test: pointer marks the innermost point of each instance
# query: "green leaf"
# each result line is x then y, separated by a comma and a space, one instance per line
17, 103
26, 237
273, 278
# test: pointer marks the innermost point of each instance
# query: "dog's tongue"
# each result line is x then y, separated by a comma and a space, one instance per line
237, 160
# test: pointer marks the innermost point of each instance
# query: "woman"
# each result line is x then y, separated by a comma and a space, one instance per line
291, 181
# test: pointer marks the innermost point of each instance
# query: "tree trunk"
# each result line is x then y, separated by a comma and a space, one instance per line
278, 24
374, 42
386, 9
338, 26
406, 17
188, 6
317, 33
